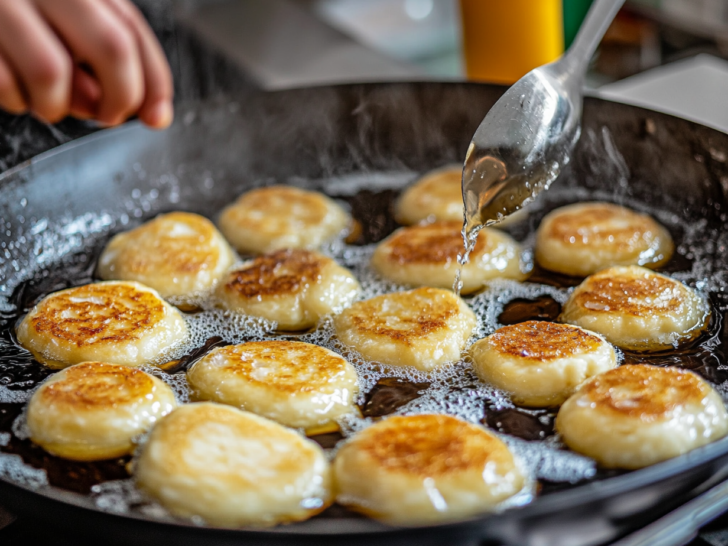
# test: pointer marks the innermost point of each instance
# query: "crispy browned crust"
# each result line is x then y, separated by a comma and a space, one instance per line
109, 313
645, 392
288, 357
97, 384
425, 310
430, 445
627, 295
436, 243
539, 340
279, 273
578, 227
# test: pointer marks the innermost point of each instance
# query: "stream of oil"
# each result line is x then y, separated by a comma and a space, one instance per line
491, 194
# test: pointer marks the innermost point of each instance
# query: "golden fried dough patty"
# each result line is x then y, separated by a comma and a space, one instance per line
114, 321
583, 238
637, 309
178, 254
541, 363
296, 384
92, 410
424, 328
437, 196
426, 255
232, 468
419, 469
635, 416
294, 288
276, 217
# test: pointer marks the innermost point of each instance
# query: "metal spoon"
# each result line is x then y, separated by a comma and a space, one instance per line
527, 137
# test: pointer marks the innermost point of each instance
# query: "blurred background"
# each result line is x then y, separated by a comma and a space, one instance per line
668, 55
289, 42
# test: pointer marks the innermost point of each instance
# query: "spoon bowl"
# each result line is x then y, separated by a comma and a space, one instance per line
528, 136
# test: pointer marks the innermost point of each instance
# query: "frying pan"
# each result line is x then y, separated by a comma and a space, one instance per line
71, 198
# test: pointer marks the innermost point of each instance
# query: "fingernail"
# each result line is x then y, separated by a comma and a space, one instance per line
160, 115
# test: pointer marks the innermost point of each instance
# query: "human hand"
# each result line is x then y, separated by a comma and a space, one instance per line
84, 58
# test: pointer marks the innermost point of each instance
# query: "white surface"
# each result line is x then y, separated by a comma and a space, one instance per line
283, 45
425, 33
694, 89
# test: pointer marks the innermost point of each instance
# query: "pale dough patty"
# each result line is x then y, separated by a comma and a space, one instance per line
541, 363
583, 238
276, 217
637, 309
438, 195
424, 469
294, 288
423, 328
178, 254
232, 468
119, 322
435, 196
635, 416
426, 255
296, 384
93, 410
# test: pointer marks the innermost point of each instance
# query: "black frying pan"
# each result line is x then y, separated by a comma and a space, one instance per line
216, 151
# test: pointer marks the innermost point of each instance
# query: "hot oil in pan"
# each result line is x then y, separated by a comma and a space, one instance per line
383, 395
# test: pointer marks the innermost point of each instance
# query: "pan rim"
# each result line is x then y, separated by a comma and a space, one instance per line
558, 500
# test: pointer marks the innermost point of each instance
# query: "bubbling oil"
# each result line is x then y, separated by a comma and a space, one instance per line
384, 390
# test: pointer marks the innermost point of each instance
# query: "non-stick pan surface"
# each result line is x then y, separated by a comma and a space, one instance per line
68, 200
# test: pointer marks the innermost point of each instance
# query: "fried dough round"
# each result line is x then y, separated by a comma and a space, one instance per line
294, 288
426, 255
296, 384
232, 468
119, 322
179, 254
423, 328
635, 416
637, 309
584, 238
541, 363
276, 217
421, 469
438, 196
91, 411
435, 196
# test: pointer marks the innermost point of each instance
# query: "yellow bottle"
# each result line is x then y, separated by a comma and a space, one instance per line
505, 39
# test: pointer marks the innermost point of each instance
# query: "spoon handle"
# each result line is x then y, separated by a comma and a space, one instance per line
595, 24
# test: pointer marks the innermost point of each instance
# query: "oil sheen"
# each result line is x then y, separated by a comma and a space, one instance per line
383, 390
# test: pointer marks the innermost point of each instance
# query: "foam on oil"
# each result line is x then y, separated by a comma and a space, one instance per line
452, 389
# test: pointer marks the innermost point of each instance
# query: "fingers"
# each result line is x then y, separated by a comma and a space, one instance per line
45, 43
156, 109
85, 95
11, 98
38, 63
96, 36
